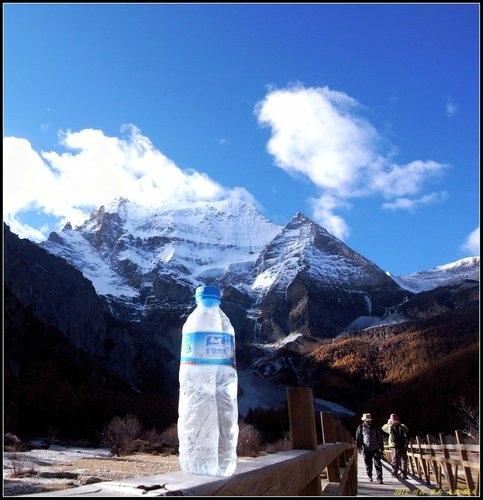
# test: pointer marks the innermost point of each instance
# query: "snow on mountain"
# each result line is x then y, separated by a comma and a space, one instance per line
305, 246
448, 274
145, 262
280, 343
74, 248
203, 241
195, 241
363, 322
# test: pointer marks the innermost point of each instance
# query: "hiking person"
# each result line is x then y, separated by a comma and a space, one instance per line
398, 441
369, 442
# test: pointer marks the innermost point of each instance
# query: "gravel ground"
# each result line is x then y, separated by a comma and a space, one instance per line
59, 467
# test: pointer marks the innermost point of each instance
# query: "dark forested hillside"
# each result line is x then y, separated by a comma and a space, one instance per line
50, 387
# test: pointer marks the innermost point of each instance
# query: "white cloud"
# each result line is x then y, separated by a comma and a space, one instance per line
323, 211
471, 246
411, 204
451, 108
400, 180
95, 169
315, 134
320, 134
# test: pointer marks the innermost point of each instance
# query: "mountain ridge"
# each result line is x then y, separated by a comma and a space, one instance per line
122, 207
450, 273
146, 260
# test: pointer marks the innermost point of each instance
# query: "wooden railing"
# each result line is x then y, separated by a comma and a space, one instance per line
335, 471
453, 468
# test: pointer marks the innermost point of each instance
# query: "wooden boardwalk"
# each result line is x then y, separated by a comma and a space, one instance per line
392, 487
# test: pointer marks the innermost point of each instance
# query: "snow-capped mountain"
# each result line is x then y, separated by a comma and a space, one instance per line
448, 274
122, 243
144, 260
145, 263
324, 282
305, 246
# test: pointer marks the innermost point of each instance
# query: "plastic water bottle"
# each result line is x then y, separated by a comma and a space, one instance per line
208, 386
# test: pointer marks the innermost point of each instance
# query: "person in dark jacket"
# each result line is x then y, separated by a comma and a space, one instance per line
369, 442
398, 441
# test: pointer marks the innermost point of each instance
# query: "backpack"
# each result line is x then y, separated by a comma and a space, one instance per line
399, 437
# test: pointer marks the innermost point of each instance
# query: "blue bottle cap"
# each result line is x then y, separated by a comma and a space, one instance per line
207, 292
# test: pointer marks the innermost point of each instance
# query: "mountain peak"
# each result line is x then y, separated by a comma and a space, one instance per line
301, 217
467, 268
301, 220
118, 206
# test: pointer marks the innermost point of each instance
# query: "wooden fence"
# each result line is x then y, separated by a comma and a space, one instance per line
453, 468
310, 469
335, 461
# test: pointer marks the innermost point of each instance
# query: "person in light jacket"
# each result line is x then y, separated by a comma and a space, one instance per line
369, 442
398, 441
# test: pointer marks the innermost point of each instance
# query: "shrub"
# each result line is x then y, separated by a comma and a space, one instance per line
471, 420
249, 440
280, 445
11, 442
153, 441
121, 434
19, 466
169, 439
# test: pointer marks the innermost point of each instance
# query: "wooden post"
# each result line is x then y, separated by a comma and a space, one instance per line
447, 466
414, 462
303, 433
464, 457
434, 464
424, 465
328, 436
338, 437
417, 461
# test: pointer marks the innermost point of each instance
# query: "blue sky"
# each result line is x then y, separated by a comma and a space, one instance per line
365, 117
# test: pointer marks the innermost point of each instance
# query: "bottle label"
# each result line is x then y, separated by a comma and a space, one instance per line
208, 348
